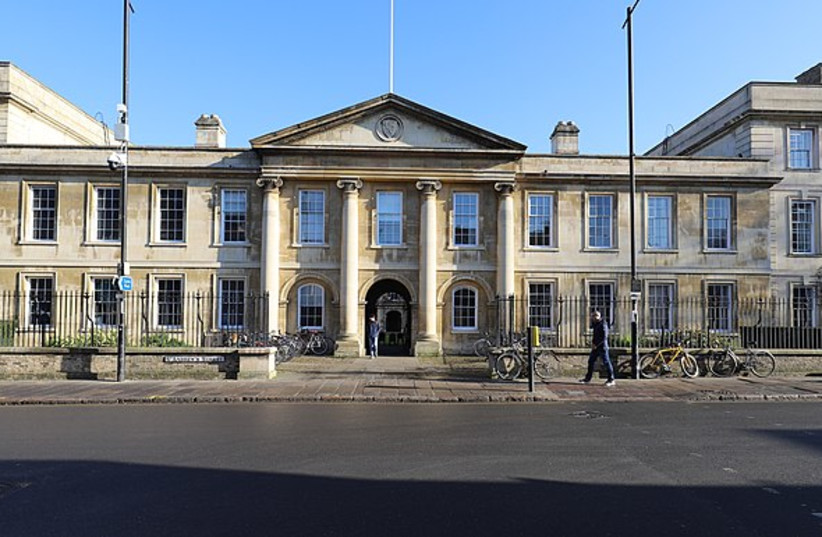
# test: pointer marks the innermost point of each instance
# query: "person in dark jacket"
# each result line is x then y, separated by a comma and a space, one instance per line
599, 347
374, 329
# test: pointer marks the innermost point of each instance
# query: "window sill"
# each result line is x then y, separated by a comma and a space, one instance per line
100, 243
540, 249
814, 255
299, 245
167, 245
476, 248
455, 330
231, 245
660, 251
31, 242
388, 247
609, 250
729, 251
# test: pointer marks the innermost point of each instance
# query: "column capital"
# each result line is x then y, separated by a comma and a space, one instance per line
349, 184
506, 188
428, 186
269, 182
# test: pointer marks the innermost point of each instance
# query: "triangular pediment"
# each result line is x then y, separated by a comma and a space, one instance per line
389, 121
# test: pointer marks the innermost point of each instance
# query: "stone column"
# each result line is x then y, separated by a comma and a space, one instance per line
348, 343
506, 256
428, 343
270, 254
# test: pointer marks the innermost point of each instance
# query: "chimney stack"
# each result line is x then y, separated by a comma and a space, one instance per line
565, 139
210, 131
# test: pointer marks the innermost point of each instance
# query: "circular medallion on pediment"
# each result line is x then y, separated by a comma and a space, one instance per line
389, 128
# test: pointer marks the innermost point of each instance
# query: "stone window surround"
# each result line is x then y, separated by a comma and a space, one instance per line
552, 283
554, 239
27, 213
153, 280
24, 279
814, 306
814, 156
295, 237
731, 249
674, 290
614, 246
299, 306
217, 218
91, 214
465, 329
730, 284
218, 304
815, 229
452, 245
375, 243
673, 225
154, 204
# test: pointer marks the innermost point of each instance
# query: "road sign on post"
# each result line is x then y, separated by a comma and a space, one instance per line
125, 283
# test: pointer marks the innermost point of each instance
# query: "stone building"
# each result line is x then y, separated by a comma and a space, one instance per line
778, 122
386, 206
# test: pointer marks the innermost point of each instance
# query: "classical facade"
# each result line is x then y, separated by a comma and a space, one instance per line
386, 206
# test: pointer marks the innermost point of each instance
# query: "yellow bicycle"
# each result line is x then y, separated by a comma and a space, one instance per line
659, 362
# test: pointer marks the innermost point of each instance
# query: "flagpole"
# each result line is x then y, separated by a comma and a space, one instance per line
391, 52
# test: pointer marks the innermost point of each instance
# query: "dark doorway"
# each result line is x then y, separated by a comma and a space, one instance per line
390, 301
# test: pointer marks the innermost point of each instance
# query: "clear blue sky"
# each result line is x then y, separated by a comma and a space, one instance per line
514, 67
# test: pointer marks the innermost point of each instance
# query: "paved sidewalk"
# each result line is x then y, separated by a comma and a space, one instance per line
392, 379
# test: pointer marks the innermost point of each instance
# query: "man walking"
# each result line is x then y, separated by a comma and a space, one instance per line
599, 347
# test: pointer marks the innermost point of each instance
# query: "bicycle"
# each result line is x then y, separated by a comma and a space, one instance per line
482, 346
658, 362
315, 342
725, 362
511, 363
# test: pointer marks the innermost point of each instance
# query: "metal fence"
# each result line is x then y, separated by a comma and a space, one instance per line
81, 319
565, 321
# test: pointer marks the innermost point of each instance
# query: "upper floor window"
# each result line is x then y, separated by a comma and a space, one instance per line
660, 226
310, 302
464, 308
389, 218
107, 213
43, 212
718, 219
540, 305
466, 219
600, 221
233, 211
801, 148
540, 220
312, 217
172, 214
803, 226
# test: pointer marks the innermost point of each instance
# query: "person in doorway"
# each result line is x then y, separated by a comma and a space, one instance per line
599, 348
374, 329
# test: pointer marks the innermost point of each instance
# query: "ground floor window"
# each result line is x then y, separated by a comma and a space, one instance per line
540, 305
310, 301
720, 310
170, 302
39, 300
232, 303
803, 306
106, 311
601, 296
660, 306
464, 308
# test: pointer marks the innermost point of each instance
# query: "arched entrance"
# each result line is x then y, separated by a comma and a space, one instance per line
390, 301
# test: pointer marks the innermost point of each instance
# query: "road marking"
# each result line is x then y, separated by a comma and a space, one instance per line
769, 490
695, 455
730, 470
817, 515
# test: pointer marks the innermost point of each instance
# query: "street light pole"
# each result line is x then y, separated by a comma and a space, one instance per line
636, 286
122, 135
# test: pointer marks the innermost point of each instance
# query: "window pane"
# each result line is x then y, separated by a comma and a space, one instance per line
310, 299
660, 222
602, 299
720, 307
540, 305
466, 219
802, 226
108, 213
312, 217
389, 218
172, 214
465, 308
44, 213
41, 295
804, 307
719, 222
170, 302
234, 215
660, 306
600, 221
540, 219
106, 312
801, 148
232, 303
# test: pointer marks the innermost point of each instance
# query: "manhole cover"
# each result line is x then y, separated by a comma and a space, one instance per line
588, 414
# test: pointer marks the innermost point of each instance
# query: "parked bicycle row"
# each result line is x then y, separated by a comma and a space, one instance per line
510, 360
288, 345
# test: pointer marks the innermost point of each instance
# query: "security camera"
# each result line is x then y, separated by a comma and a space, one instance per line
116, 161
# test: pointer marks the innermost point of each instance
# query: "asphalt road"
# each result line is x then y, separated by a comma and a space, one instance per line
671, 469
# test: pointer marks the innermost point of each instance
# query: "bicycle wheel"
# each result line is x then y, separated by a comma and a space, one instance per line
761, 363
482, 347
318, 345
508, 366
688, 365
650, 365
543, 362
722, 363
